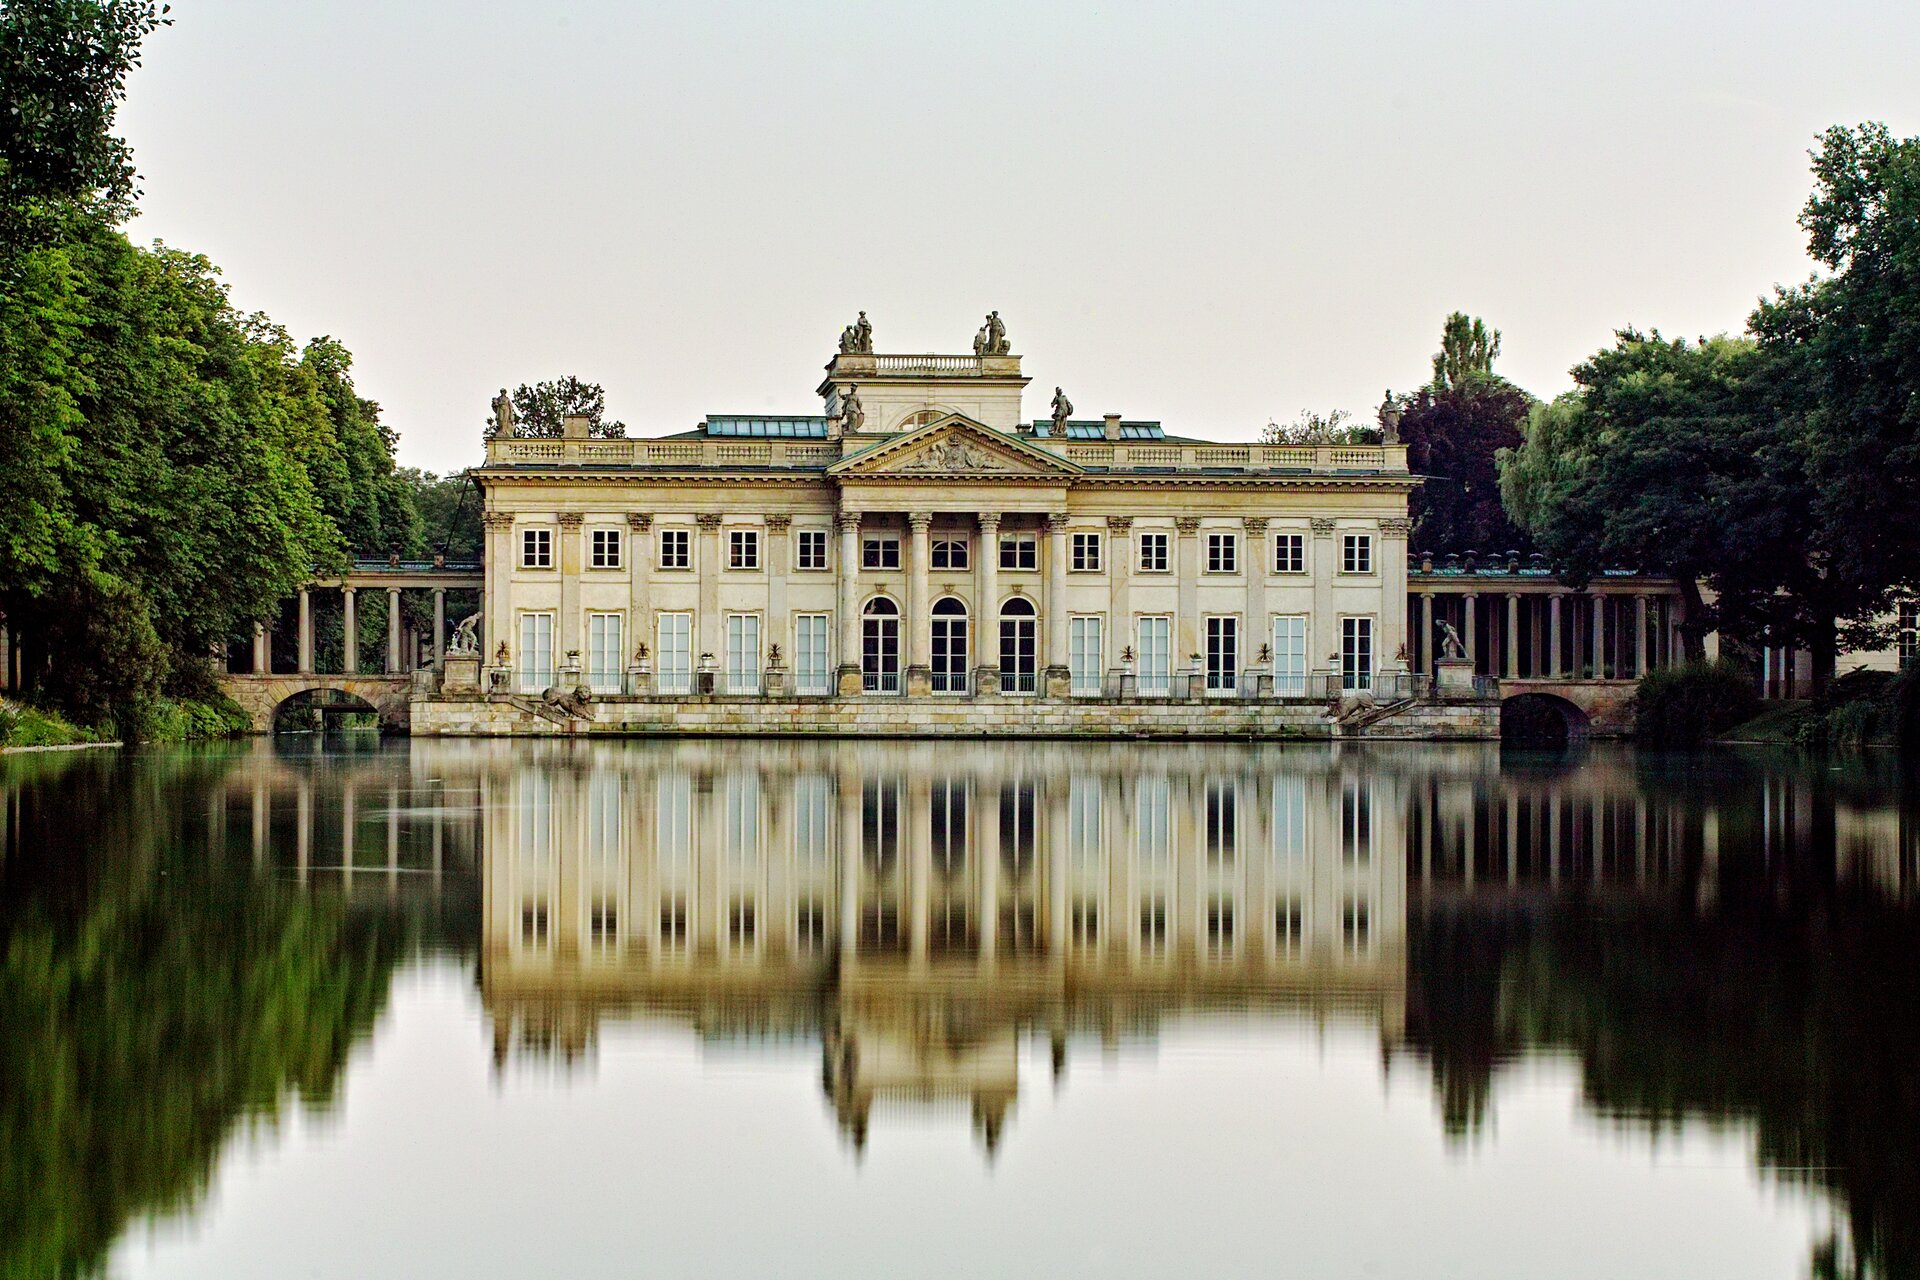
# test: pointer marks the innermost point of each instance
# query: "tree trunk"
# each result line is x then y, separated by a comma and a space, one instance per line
1693, 618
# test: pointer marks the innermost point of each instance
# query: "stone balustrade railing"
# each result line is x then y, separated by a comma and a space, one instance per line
1107, 456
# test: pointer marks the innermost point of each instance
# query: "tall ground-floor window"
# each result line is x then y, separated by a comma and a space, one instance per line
743, 653
880, 647
949, 646
1356, 654
674, 653
811, 674
605, 657
1155, 656
1223, 655
536, 652
1084, 656
1290, 655
1019, 629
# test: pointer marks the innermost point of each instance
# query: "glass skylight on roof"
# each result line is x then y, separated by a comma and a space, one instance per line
729, 424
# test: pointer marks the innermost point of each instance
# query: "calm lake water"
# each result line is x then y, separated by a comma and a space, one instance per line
957, 1009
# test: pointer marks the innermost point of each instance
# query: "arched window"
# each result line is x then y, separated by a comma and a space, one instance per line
880, 646
949, 656
1019, 632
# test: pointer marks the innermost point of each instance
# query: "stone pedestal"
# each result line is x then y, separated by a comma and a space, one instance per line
919, 682
986, 682
460, 673
849, 682
777, 685
499, 679
640, 679
570, 677
1057, 682
1453, 677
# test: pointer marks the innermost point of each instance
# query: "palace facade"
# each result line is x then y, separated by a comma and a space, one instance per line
922, 538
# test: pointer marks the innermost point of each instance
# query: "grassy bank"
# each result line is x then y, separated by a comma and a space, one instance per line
162, 720
1862, 709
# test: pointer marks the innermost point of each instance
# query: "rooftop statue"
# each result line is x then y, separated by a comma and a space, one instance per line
853, 415
502, 422
857, 338
992, 338
1062, 410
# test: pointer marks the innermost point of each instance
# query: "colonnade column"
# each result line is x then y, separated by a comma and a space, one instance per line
1394, 533
439, 628
919, 628
709, 562
1599, 637
261, 662
1259, 558
1553, 634
987, 626
639, 574
495, 619
849, 604
779, 528
1119, 585
1467, 629
1055, 622
394, 666
1511, 649
303, 645
1425, 648
1639, 636
350, 638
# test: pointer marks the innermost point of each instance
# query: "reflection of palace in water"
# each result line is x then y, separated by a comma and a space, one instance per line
922, 908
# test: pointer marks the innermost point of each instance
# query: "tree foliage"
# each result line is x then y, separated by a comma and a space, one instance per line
1468, 349
1312, 427
540, 409
1453, 436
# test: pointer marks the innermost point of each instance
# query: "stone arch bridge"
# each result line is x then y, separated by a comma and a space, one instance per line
262, 697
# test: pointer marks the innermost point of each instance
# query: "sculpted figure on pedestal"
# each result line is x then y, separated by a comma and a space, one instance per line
503, 421
853, 415
466, 638
1450, 646
1062, 410
857, 338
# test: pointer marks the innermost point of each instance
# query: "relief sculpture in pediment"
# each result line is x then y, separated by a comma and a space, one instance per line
954, 455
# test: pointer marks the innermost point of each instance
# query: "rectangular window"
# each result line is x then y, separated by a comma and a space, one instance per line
1223, 655
1907, 643
811, 675
1223, 553
536, 548
812, 816
1220, 924
674, 653
1356, 654
603, 926
1155, 657
1288, 821
810, 549
810, 926
1356, 553
1153, 551
606, 661
533, 925
1290, 655
1019, 551
1084, 923
950, 553
673, 923
536, 652
743, 653
1085, 656
740, 923
1086, 553
743, 548
676, 548
879, 551
743, 819
605, 549
1289, 553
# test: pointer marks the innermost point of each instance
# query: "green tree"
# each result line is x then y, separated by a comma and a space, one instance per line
1312, 427
540, 409
1467, 352
1453, 437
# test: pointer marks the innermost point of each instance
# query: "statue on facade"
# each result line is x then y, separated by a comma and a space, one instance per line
997, 344
1450, 646
1062, 410
503, 421
857, 338
466, 636
1390, 415
980, 341
853, 415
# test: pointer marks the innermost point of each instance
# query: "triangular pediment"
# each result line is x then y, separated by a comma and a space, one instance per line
951, 447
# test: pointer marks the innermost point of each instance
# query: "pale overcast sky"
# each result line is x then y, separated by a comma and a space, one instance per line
1210, 214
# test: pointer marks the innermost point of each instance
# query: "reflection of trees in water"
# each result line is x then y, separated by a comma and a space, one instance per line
153, 995
1797, 1013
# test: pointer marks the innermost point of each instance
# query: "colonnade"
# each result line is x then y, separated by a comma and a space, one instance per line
1547, 631
403, 640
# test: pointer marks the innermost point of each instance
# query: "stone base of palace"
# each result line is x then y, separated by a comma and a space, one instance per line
441, 716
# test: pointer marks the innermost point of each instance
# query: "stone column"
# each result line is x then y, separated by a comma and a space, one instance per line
497, 611
1257, 562
572, 561
303, 644
919, 620
710, 564
439, 628
986, 624
1511, 649
1599, 636
1553, 634
1324, 625
350, 639
261, 663
1054, 622
1394, 533
1424, 650
1186, 566
1119, 585
394, 664
639, 576
848, 580
1639, 636
779, 529
1467, 603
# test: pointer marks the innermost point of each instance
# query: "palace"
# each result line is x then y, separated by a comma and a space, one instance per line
922, 539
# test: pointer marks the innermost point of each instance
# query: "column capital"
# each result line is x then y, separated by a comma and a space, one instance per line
346, 589
1256, 526
497, 519
708, 520
1117, 525
847, 521
1188, 525
639, 521
919, 521
1322, 526
779, 524
1396, 527
571, 519
989, 521
1056, 522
